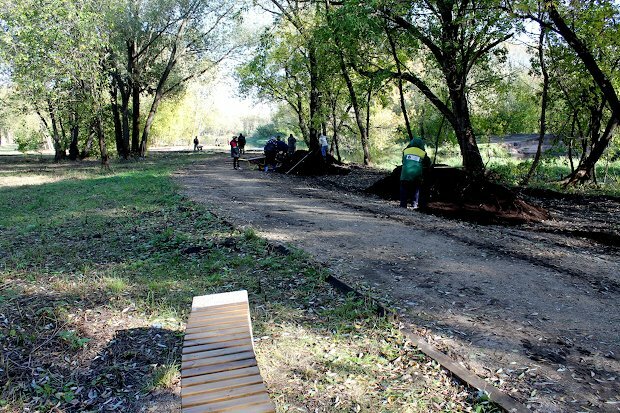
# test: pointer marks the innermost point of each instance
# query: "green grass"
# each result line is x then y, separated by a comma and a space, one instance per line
102, 267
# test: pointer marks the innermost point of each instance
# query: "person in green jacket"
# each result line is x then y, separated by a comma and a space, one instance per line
415, 160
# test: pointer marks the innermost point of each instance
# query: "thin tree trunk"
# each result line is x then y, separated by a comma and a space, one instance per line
59, 151
116, 116
314, 97
437, 137
403, 106
74, 131
571, 142
472, 161
105, 159
89, 144
159, 93
135, 96
303, 125
543, 106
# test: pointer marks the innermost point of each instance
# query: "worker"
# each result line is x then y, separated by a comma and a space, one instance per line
281, 146
292, 144
415, 161
324, 145
234, 152
271, 150
241, 140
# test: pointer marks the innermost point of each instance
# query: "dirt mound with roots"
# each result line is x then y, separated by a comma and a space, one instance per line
450, 192
311, 164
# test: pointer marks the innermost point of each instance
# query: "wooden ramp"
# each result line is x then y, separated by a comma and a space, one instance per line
219, 371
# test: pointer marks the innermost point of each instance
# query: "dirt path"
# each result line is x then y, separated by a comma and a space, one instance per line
534, 312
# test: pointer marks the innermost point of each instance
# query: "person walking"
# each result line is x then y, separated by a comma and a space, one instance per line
234, 152
242, 141
324, 145
196, 143
415, 161
292, 144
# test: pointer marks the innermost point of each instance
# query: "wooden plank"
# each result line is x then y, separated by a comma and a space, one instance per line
214, 340
198, 321
216, 353
217, 346
239, 403
496, 395
257, 408
223, 310
220, 385
190, 364
216, 368
215, 300
216, 333
217, 317
224, 375
193, 328
223, 395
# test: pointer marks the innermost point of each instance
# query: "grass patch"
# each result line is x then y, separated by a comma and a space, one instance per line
96, 285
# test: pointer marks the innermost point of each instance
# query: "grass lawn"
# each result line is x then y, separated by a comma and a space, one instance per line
97, 273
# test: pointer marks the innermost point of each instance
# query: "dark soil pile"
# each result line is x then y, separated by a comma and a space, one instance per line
301, 163
449, 191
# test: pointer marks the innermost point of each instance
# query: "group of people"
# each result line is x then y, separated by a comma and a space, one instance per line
415, 161
277, 147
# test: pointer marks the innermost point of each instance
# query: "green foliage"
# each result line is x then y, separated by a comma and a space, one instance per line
28, 140
73, 339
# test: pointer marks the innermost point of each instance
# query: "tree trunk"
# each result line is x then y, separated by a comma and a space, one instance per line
543, 107
365, 144
314, 98
472, 161
303, 125
74, 131
585, 171
125, 123
437, 137
89, 144
159, 93
356, 109
59, 152
116, 116
134, 74
105, 160
403, 106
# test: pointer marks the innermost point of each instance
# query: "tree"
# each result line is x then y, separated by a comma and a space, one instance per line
54, 54
164, 44
452, 37
591, 30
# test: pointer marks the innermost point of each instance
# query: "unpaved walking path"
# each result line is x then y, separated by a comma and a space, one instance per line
535, 313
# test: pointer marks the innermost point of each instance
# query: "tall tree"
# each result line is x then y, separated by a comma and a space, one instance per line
453, 37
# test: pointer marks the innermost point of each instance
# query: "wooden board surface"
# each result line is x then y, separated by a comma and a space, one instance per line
218, 370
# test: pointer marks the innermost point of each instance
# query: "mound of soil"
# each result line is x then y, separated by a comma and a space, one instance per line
300, 163
450, 192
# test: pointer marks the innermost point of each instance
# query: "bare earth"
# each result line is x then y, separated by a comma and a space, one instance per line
534, 309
